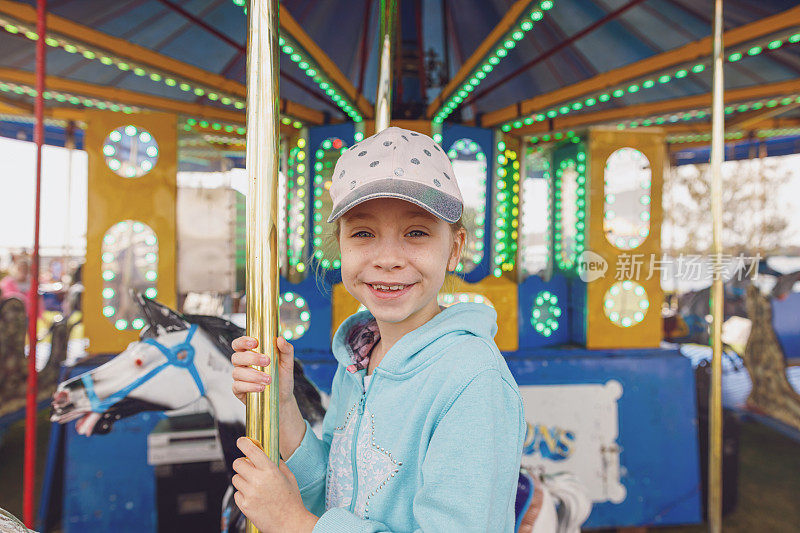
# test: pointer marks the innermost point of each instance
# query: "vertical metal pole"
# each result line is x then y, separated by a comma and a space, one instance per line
715, 392
69, 144
383, 101
29, 478
262, 216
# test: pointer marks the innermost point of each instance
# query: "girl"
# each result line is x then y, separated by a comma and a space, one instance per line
425, 425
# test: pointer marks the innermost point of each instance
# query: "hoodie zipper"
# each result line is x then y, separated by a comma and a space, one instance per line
361, 403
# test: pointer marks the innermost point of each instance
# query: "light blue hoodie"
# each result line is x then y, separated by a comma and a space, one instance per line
436, 438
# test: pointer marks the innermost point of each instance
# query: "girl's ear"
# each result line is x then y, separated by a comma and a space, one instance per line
459, 238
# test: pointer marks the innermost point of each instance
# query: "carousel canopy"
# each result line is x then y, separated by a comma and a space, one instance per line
532, 68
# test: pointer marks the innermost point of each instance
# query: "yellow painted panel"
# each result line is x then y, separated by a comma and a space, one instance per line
149, 199
501, 292
601, 332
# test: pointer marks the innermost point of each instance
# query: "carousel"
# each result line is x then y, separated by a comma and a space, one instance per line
211, 129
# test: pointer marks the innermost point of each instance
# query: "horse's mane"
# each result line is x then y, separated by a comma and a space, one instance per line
221, 331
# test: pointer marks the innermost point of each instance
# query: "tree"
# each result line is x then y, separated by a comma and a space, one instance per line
754, 215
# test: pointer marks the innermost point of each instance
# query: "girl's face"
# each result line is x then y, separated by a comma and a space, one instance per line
394, 258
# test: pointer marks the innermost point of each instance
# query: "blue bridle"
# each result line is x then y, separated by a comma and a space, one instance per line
99, 406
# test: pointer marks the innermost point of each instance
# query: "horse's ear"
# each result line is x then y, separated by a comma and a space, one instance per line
160, 318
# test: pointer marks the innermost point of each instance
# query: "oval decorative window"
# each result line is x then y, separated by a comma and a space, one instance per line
469, 166
129, 256
130, 152
626, 208
625, 303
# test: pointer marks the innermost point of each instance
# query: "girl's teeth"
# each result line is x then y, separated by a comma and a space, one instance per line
388, 287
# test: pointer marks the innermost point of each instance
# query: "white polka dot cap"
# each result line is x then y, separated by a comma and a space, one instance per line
396, 163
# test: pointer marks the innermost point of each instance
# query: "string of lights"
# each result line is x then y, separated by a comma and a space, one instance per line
663, 77
493, 58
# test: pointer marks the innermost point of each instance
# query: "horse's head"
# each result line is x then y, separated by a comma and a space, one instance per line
157, 373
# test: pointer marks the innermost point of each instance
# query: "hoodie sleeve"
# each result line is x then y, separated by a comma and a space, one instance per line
309, 462
471, 467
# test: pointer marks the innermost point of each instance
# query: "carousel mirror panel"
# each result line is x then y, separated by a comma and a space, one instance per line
536, 214
626, 214
469, 165
130, 152
130, 262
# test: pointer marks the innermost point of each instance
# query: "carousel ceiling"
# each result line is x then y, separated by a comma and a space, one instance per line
529, 67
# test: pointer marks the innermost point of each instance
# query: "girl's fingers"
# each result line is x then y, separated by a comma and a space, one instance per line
249, 375
249, 359
243, 467
254, 453
238, 482
240, 387
244, 343
284, 347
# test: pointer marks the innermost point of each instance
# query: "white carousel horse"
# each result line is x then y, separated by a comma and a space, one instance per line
178, 360
555, 503
181, 358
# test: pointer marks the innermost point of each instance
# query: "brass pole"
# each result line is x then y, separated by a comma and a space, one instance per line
383, 101
69, 144
262, 216
717, 294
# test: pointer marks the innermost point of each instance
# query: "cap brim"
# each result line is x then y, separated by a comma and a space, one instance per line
438, 203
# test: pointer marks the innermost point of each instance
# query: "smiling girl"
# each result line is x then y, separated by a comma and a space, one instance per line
425, 425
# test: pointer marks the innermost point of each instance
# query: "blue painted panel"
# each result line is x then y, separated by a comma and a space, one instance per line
317, 295
22, 130
108, 485
657, 427
528, 290
321, 371
786, 321
577, 311
741, 150
485, 138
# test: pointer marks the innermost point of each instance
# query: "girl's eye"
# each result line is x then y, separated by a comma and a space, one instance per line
417, 233
362, 233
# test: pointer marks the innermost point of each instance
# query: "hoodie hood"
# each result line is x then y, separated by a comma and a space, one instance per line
358, 334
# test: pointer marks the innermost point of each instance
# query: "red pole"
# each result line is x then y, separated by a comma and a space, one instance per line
29, 482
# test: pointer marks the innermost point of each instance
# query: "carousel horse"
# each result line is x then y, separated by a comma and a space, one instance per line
772, 394
177, 360
694, 307
691, 323
11, 524
554, 503
180, 358
14, 362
